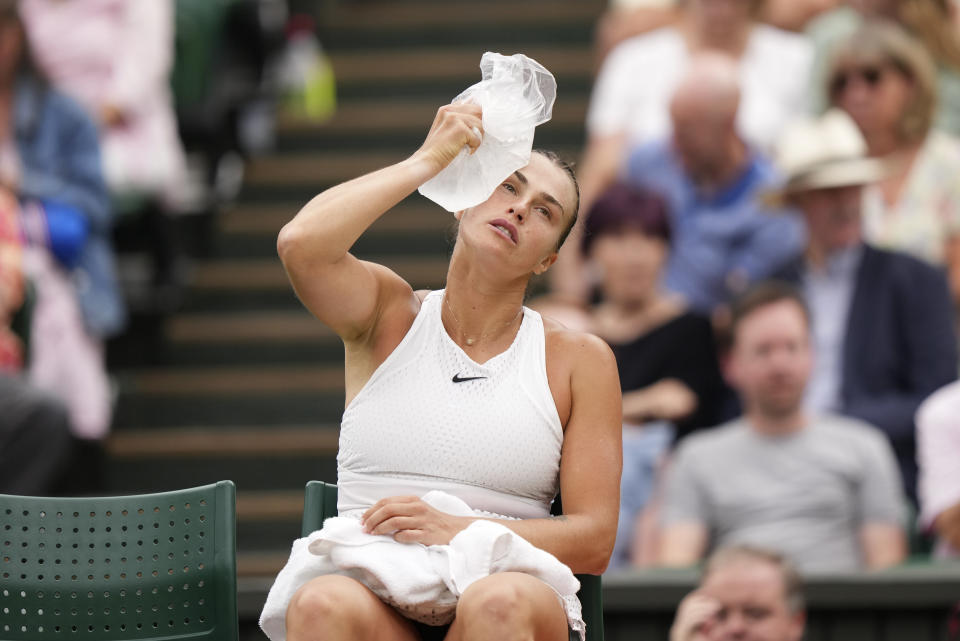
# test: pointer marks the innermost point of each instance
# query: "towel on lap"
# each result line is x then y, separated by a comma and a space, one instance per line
422, 582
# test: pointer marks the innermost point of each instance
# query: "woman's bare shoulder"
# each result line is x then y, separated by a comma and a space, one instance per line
574, 344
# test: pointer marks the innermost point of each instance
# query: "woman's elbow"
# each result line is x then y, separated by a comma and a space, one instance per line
287, 242
598, 557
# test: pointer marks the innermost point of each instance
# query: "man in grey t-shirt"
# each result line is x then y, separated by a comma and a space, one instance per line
823, 490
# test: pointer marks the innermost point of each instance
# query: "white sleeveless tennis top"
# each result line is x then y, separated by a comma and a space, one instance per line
430, 418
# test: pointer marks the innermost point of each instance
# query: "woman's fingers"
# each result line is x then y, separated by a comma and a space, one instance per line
388, 508
396, 523
455, 127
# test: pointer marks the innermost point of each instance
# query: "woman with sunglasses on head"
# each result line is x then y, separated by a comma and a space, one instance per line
886, 81
462, 390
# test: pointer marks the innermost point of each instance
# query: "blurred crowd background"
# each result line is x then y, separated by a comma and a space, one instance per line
770, 233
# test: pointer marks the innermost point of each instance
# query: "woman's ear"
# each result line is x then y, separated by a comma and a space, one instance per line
459, 214
545, 264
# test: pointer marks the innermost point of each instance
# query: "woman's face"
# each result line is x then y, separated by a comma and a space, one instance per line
11, 45
630, 262
875, 94
520, 224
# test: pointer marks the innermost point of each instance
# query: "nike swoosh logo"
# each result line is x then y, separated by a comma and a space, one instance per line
457, 379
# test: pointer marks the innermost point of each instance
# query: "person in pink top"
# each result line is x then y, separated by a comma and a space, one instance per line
938, 450
114, 57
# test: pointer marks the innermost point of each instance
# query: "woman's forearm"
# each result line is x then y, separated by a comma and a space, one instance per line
581, 542
326, 228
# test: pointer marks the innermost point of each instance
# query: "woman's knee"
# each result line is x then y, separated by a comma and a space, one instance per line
326, 601
509, 601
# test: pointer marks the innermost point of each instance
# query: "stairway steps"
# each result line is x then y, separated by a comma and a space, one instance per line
481, 17
226, 380
132, 444
268, 274
238, 301
403, 245
414, 214
228, 409
368, 124
263, 564
245, 353
447, 64
319, 170
372, 118
253, 472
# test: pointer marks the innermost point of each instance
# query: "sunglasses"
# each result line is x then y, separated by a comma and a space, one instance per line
868, 75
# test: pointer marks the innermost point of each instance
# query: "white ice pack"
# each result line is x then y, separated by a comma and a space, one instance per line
516, 94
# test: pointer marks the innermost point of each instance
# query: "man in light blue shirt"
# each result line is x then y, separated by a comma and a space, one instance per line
724, 238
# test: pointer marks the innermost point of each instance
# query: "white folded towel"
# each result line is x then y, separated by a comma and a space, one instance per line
422, 582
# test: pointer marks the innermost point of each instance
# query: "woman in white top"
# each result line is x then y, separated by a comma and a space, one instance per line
501, 243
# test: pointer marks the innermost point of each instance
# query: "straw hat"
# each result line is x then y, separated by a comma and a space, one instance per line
822, 153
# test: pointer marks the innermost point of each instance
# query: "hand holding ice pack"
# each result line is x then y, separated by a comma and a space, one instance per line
516, 94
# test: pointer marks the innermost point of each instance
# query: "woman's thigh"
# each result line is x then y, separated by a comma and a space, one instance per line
333, 607
509, 605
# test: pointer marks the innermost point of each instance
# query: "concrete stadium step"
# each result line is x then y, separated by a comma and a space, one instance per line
366, 124
268, 274
397, 243
414, 214
415, 70
256, 337
486, 17
271, 440
371, 117
254, 326
230, 396
250, 472
319, 170
263, 563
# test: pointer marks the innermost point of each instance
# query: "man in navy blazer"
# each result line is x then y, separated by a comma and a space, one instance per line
883, 323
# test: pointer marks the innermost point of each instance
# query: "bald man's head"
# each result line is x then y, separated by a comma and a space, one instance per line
704, 113
710, 88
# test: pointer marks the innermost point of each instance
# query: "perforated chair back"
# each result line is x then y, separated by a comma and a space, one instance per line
320, 502
120, 568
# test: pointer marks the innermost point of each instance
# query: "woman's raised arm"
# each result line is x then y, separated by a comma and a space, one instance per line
345, 293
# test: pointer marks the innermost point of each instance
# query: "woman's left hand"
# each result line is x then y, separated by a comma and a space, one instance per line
409, 520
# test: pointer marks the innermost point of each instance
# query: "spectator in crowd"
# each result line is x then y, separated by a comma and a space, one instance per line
628, 18
882, 320
52, 165
665, 353
114, 57
886, 81
723, 238
938, 451
35, 437
11, 273
819, 488
631, 97
936, 23
35, 441
744, 593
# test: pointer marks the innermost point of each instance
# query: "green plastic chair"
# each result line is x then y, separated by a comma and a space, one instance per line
122, 567
320, 502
